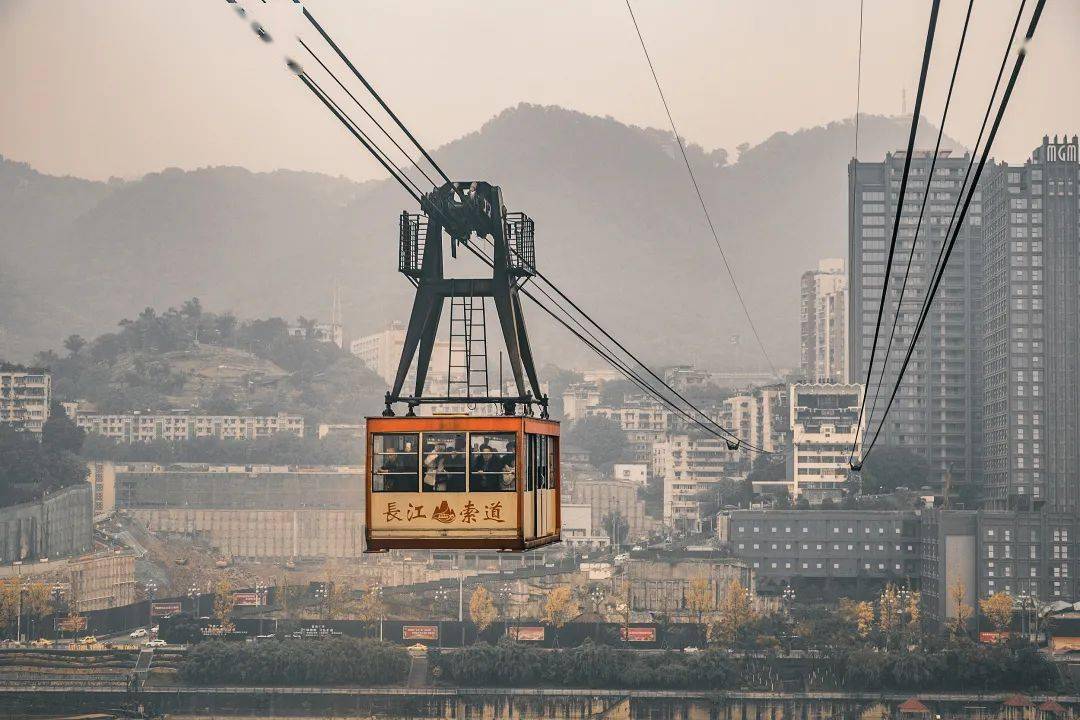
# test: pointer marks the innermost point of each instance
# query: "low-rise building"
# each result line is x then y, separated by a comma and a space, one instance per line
97, 581
828, 552
138, 427
577, 529
25, 397
637, 473
661, 585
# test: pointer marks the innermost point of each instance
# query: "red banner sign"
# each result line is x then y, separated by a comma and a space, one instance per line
246, 598
164, 609
638, 634
526, 634
419, 632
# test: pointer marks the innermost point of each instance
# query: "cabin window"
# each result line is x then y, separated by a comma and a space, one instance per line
493, 462
395, 462
444, 462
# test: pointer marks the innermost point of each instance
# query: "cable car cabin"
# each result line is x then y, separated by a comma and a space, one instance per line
462, 482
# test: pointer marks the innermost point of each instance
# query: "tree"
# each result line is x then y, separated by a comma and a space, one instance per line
560, 607
601, 437
734, 611
617, 526
961, 610
891, 467
60, 434
339, 599
224, 602
998, 609
74, 344
482, 609
700, 598
37, 600
913, 609
889, 610
9, 601
371, 607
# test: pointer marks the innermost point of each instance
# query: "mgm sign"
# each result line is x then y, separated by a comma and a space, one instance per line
1066, 152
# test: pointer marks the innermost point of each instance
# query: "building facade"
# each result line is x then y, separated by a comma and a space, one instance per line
606, 497
823, 323
59, 524
381, 352
136, 427
25, 397
1031, 331
824, 437
692, 466
938, 410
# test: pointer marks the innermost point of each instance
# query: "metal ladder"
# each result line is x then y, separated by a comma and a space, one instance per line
467, 374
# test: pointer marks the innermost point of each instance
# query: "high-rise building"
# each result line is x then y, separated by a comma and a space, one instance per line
823, 322
938, 409
1031, 331
25, 396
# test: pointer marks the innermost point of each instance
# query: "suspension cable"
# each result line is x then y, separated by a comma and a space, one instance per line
922, 208
896, 224
700, 196
1021, 55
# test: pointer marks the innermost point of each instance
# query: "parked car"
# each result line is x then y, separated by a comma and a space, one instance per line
139, 633
41, 642
156, 642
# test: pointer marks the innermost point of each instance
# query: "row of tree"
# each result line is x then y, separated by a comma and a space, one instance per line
591, 665
338, 661
29, 467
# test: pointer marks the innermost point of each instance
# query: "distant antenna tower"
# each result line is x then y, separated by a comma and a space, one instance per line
335, 304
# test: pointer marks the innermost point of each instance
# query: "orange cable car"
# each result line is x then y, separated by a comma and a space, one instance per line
464, 481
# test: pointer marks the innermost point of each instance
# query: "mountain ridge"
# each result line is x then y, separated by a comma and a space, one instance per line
618, 228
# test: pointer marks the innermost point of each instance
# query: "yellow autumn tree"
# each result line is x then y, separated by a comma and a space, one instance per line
961, 610
560, 607
998, 609
889, 609
858, 614
224, 602
700, 598
913, 610
339, 600
9, 600
482, 609
734, 611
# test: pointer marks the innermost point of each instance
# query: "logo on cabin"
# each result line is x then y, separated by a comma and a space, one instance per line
444, 513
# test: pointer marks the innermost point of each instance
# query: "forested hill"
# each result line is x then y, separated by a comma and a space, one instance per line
617, 227
213, 363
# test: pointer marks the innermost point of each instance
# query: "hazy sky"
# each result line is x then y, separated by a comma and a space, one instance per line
96, 88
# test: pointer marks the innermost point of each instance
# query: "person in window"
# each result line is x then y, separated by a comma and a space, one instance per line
486, 466
407, 464
454, 466
507, 480
434, 467
384, 474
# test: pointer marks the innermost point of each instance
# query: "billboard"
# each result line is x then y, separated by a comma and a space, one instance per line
638, 634
72, 623
419, 632
526, 633
164, 609
246, 598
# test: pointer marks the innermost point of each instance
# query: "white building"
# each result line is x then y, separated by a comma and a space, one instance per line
136, 427
25, 397
382, 351
823, 322
691, 467
824, 425
637, 473
577, 529
578, 398
760, 417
